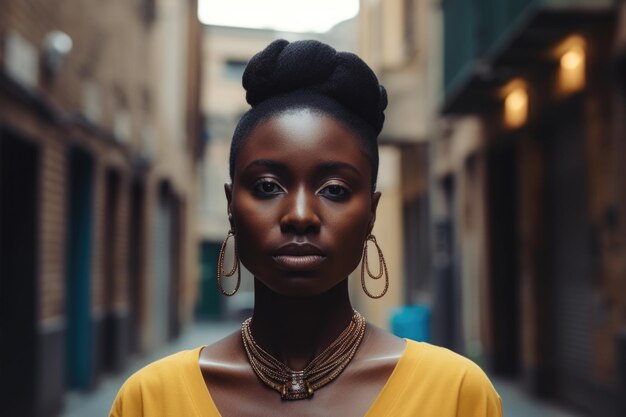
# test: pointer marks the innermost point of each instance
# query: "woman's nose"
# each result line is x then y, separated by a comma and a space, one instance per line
300, 216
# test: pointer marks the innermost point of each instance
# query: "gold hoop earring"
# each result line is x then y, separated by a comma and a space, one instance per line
220, 267
382, 268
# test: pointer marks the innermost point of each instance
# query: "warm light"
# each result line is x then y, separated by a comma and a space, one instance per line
573, 58
572, 65
516, 107
517, 100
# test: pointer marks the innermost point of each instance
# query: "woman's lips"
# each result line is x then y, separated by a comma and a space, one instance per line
299, 256
299, 262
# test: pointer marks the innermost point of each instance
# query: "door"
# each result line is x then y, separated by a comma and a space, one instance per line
209, 300
447, 291
79, 265
503, 250
136, 268
18, 260
112, 355
417, 264
569, 257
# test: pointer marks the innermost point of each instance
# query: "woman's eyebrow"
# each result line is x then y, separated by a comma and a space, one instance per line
338, 165
323, 167
268, 163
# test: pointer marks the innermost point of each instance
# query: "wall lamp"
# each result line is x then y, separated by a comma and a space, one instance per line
572, 64
56, 47
516, 101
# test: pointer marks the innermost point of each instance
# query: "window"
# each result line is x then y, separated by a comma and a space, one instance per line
233, 68
147, 10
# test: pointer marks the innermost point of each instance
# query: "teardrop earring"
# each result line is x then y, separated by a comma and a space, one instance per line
382, 268
220, 267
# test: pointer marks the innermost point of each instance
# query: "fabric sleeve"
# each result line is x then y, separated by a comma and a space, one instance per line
128, 401
477, 396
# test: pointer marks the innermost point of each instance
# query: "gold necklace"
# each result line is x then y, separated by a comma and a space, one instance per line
298, 385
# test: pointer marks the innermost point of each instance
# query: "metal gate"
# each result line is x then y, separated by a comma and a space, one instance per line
569, 258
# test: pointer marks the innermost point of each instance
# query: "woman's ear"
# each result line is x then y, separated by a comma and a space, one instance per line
228, 190
373, 208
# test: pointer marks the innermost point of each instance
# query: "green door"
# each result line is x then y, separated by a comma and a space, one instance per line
79, 233
209, 305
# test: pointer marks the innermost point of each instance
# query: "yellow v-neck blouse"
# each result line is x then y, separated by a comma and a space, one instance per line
428, 381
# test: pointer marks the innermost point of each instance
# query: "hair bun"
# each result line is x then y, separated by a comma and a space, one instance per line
284, 67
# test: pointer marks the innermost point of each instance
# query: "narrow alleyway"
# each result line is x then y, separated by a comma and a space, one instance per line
97, 403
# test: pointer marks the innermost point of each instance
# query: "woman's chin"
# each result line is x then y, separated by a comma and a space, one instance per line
298, 286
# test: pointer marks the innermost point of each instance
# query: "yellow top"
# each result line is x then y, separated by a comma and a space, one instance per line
428, 381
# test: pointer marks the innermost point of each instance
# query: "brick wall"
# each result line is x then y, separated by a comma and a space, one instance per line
52, 230
110, 99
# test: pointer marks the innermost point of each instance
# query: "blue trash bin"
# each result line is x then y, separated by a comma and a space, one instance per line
411, 322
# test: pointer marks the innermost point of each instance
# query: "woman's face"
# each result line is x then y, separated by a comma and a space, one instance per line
301, 202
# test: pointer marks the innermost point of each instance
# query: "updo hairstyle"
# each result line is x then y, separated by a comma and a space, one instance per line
312, 75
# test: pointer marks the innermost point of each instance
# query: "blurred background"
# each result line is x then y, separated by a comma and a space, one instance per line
503, 174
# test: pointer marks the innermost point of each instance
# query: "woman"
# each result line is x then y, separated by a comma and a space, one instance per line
302, 206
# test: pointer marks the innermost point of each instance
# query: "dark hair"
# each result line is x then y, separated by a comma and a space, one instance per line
310, 74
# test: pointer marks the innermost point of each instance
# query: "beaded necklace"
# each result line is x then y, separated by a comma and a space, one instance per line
298, 385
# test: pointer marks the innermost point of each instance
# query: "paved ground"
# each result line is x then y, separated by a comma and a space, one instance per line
97, 403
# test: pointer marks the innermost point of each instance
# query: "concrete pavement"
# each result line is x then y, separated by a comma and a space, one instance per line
516, 403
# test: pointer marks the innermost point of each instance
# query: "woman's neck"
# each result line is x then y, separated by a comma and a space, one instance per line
296, 329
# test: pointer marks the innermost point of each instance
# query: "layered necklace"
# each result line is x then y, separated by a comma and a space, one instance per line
298, 385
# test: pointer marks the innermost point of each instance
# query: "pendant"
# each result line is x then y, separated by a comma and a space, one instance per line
297, 388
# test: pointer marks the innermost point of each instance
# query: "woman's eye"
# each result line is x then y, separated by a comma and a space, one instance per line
267, 187
335, 191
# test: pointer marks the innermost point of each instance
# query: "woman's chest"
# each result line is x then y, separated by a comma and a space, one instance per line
351, 394
336, 399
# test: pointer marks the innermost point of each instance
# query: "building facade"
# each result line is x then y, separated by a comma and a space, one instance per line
99, 147
509, 116
527, 167
400, 39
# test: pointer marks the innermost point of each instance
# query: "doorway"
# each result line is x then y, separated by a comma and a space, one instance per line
569, 258
209, 300
503, 255
447, 329
19, 172
163, 266
113, 346
79, 362
136, 268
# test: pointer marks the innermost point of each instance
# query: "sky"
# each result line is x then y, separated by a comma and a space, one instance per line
281, 15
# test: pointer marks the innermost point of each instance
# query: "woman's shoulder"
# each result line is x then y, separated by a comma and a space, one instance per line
440, 370
434, 381
161, 370
432, 351
157, 387
442, 363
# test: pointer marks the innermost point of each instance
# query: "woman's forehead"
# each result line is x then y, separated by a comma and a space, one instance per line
302, 136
